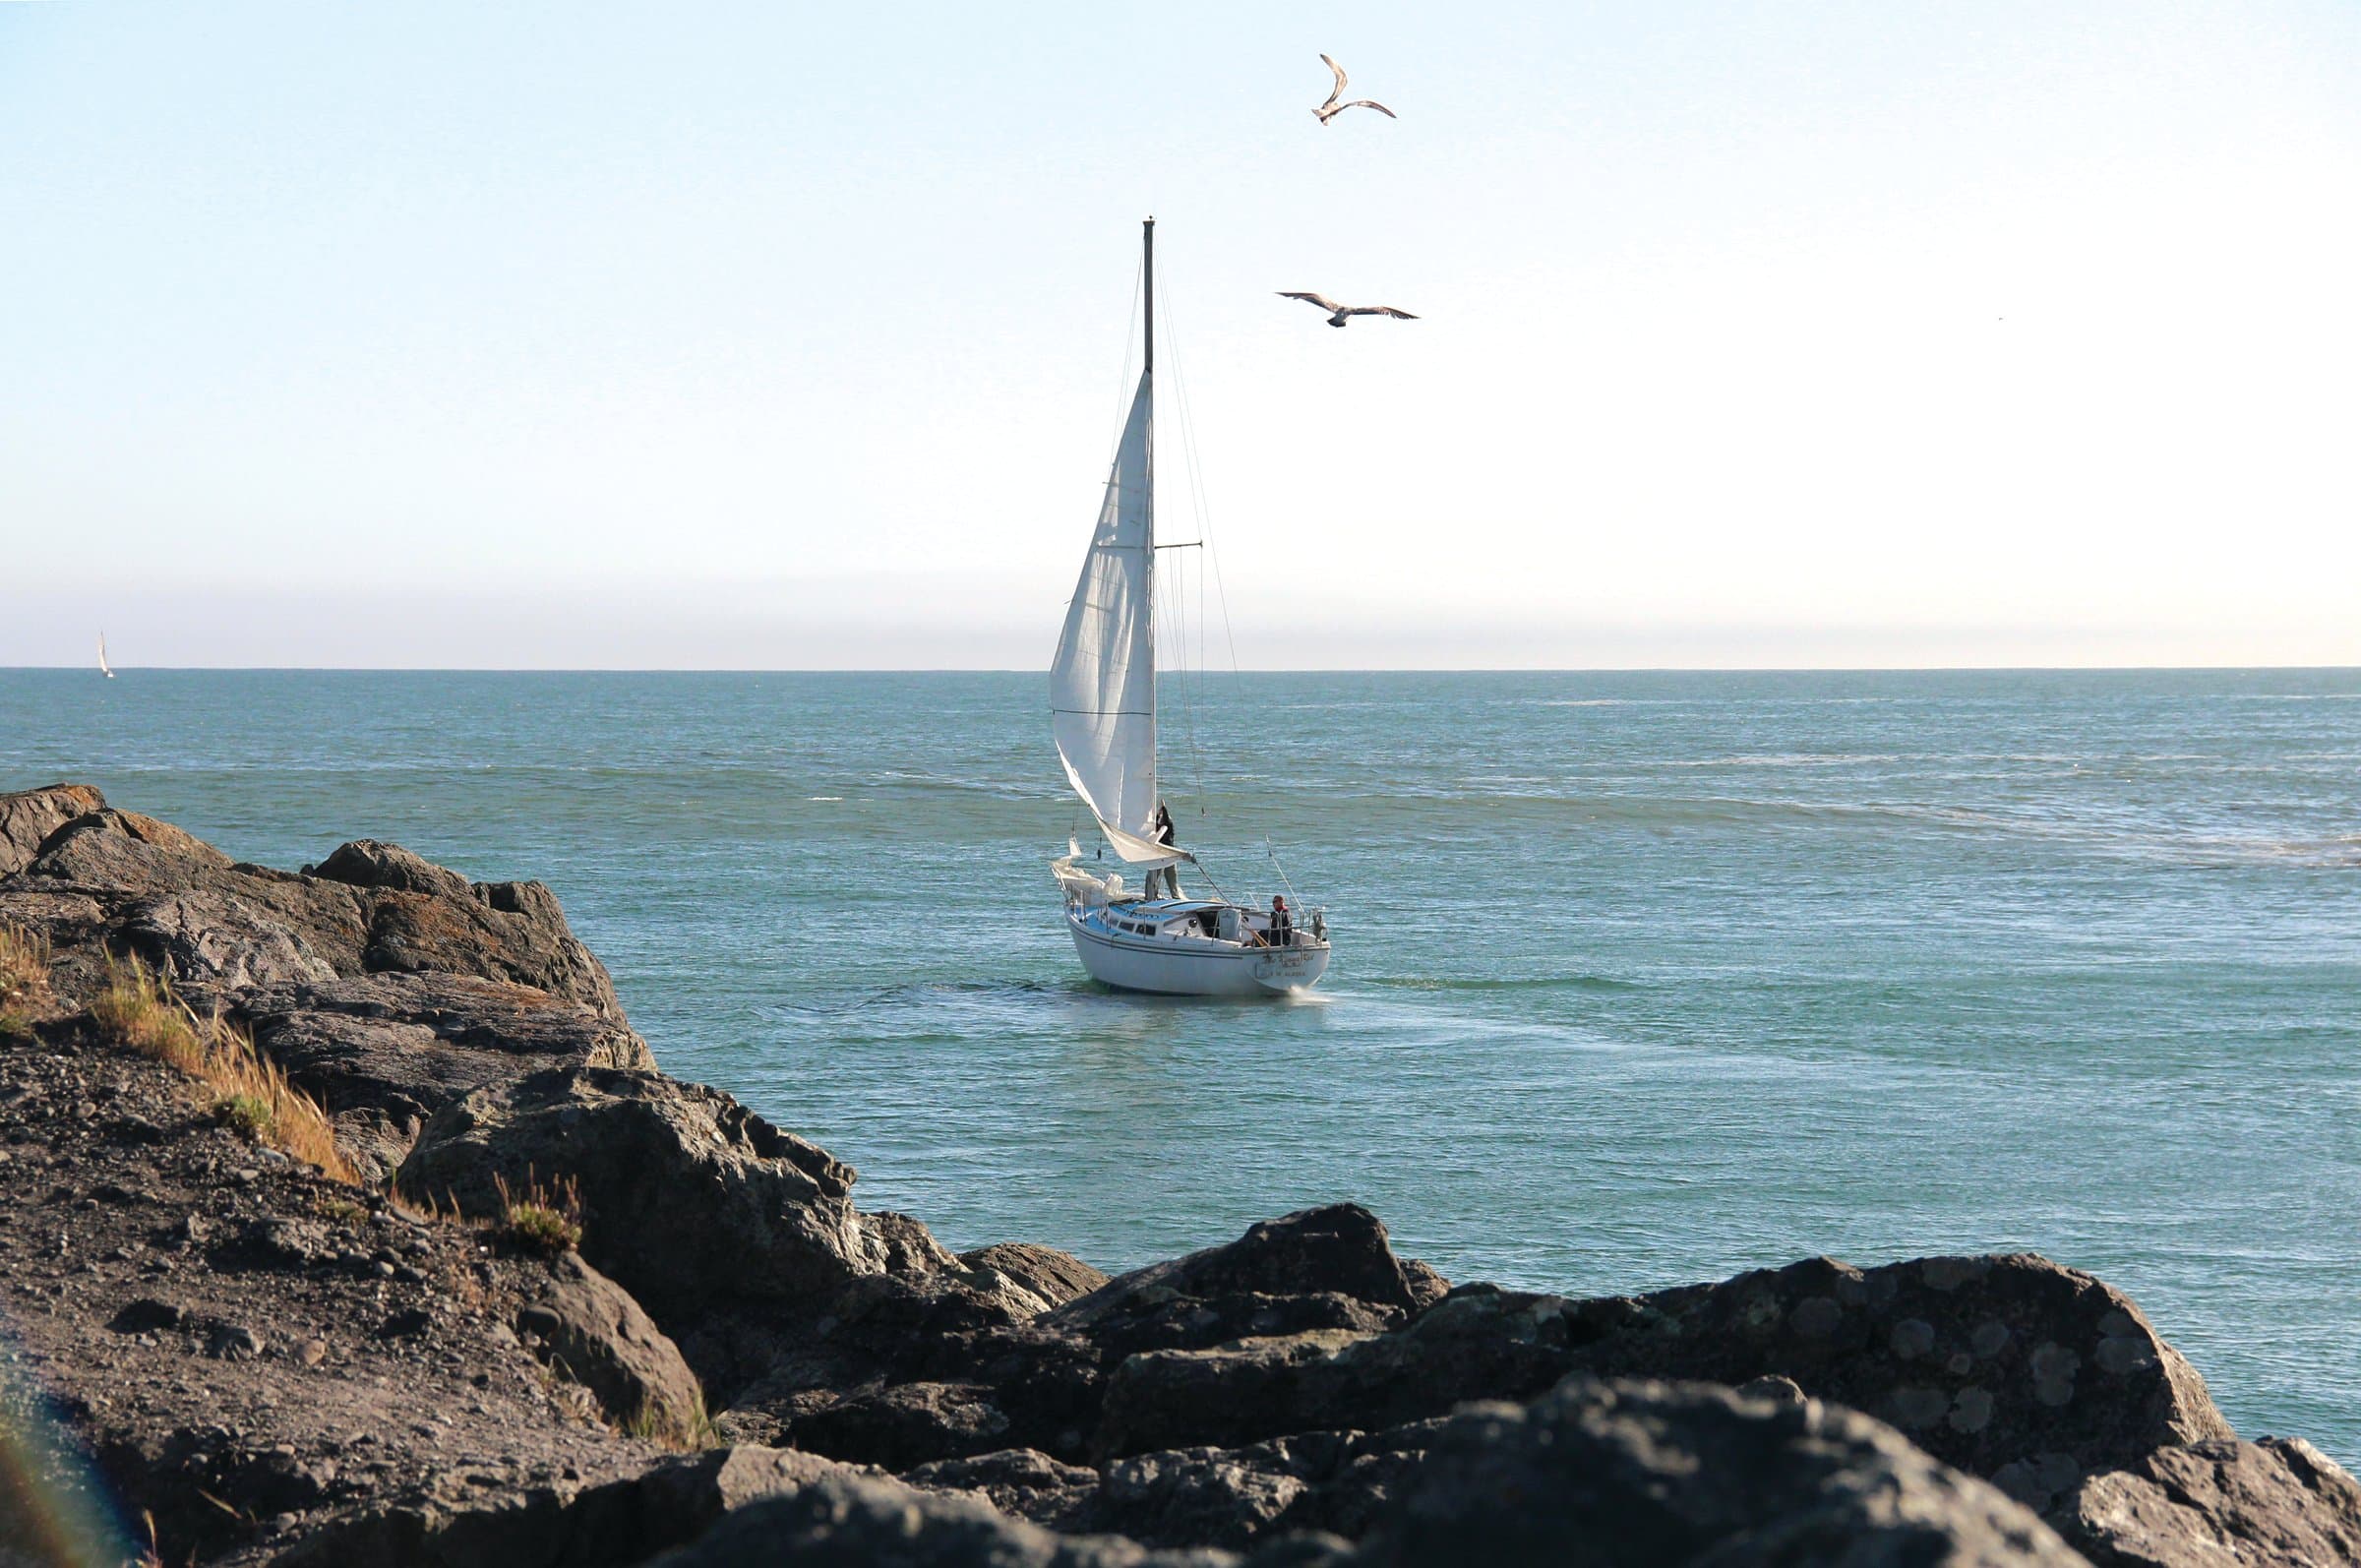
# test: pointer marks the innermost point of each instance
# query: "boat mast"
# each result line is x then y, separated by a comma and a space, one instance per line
1147, 379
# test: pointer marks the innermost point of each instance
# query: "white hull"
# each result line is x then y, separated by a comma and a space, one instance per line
1190, 966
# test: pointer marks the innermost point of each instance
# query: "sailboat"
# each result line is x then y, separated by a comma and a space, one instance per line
104, 668
1103, 716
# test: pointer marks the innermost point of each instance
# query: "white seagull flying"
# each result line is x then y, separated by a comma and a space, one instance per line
1331, 109
1337, 313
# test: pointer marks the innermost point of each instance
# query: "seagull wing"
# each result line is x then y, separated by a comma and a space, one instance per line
1340, 82
1321, 300
1372, 104
1380, 310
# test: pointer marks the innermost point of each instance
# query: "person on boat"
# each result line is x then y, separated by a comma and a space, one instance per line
1162, 833
1282, 923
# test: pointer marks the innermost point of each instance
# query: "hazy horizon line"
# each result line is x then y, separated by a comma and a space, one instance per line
1322, 668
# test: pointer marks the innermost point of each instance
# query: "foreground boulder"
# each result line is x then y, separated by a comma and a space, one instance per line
843, 1520
587, 1328
615, 1524
1056, 1277
2218, 1503
381, 1053
1654, 1475
688, 1201
2012, 1368
31, 815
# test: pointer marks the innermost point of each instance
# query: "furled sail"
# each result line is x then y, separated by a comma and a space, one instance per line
1103, 681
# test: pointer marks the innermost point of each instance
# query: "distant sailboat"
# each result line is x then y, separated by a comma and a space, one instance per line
1103, 715
104, 668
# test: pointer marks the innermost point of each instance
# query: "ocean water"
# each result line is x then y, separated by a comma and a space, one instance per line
1641, 979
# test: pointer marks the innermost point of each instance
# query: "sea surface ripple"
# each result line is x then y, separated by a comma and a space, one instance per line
1642, 979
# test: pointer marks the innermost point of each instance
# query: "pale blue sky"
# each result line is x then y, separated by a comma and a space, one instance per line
762, 336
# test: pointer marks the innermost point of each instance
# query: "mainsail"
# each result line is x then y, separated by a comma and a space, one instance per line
1103, 681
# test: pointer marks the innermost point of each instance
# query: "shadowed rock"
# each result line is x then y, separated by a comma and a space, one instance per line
1986, 1362
2273, 1504
29, 817
611, 1525
1335, 1482
690, 1200
1056, 1277
366, 863
1221, 1397
1021, 1482
907, 1424
586, 1328
1338, 1256
842, 1520
1342, 1248
383, 1053
1655, 1474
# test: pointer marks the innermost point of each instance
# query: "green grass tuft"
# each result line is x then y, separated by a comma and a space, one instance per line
544, 1220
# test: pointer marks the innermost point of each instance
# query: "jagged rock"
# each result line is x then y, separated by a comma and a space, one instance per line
366, 863
1426, 1285
1478, 1343
848, 1520
906, 1425
904, 1245
29, 817
1056, 1277
128, 847
1657, 1474
1340, 1249
1331, 1483
1221, 1397
592, 1332
383, 1053
616, 1525
181, 905
1194, 1322
1986, 1362
502, 931
217, 925
689, 1199
1021, 1482
2219, 1504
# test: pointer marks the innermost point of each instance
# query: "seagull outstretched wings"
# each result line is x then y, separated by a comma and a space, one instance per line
1331, 109
1337, 314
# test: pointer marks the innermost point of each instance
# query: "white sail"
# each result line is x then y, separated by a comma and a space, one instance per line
1103, 681
103, 666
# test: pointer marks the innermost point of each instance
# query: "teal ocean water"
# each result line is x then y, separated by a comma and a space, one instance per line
1641, 979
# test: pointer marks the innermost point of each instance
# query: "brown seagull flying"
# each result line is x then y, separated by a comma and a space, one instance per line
1337, 313
1331, 109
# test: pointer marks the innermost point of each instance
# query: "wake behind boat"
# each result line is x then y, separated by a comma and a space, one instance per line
1103, 713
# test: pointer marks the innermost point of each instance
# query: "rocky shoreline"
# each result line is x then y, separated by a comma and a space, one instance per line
704, 1353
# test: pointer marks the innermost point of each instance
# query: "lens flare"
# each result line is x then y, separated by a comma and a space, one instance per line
55, 1510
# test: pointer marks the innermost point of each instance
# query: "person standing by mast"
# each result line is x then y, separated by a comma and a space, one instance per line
1161, 832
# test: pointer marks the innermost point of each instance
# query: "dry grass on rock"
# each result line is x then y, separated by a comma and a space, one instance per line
24, 979
541, 1219
245, 1088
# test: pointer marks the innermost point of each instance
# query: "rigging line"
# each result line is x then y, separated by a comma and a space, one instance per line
1193, 462
1123, 383
1204, 511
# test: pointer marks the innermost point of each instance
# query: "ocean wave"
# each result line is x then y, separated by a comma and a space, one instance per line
1434, 983
1781, 759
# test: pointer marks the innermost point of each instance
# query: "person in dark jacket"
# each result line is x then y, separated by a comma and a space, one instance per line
1161, 832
